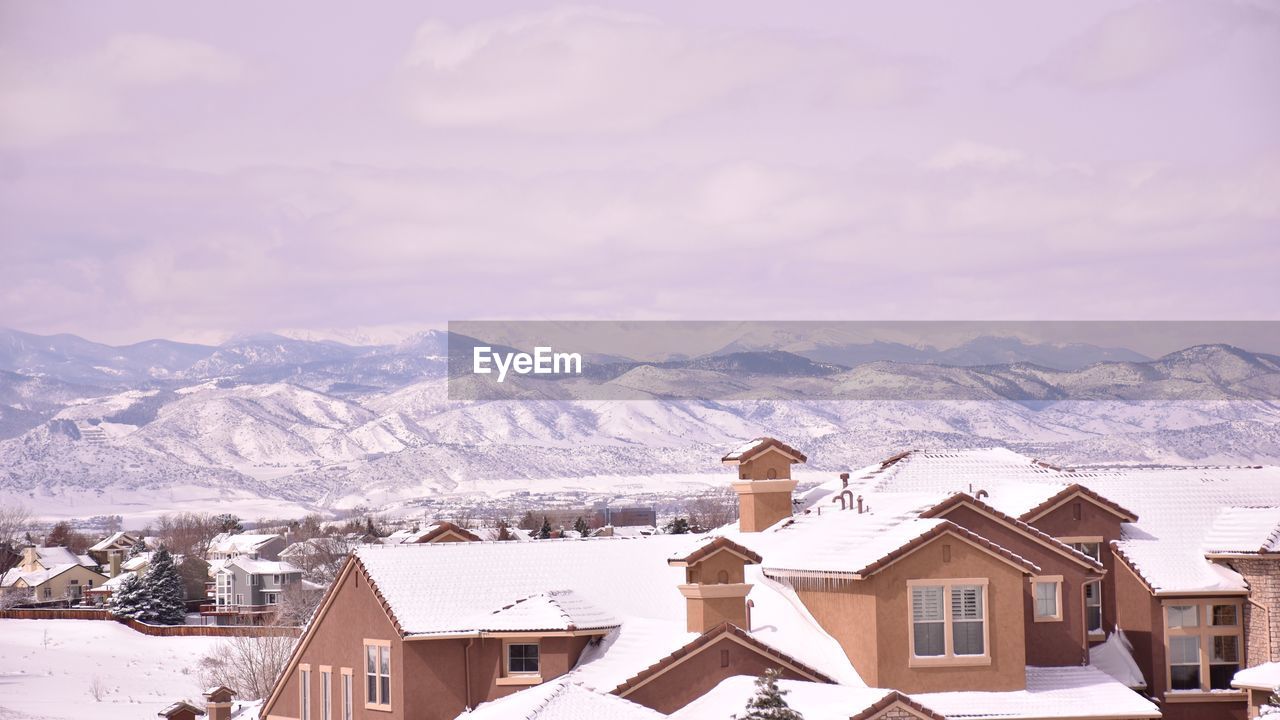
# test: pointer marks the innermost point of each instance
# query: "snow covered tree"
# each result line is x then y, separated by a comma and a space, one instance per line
137, 549
228, 523
130, 599
769, 703
678, 526
545, 532
163, 586
581, 526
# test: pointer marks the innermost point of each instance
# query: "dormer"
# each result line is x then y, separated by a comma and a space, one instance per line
715, 587
764, 483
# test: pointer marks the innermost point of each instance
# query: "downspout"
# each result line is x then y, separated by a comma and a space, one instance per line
466, 661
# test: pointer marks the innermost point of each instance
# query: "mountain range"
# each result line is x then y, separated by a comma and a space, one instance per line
327, 425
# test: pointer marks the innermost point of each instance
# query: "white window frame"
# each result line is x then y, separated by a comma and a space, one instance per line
304, 692
949, 657
348, 690
1056, 581
326, 692
1101, 630
381, 675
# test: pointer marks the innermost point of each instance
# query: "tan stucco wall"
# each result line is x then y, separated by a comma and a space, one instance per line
759, 466
760, 510
708, 569
58, 584
869, 619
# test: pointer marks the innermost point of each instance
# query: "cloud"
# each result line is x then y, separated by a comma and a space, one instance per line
585, 69
1149, 39
43, 101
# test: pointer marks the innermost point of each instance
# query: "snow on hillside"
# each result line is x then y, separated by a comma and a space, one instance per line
51, 668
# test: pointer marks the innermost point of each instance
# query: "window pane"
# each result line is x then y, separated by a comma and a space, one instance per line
1220, 676
385, 676
522, 658
1092, 549
967, 637
1185, 677
1046, 599
1184, 616
926, 603
929, 639
1224, 615
1184, 649
346, 697
966, 602
1226, 649
371, 674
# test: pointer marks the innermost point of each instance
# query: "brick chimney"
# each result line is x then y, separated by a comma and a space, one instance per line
764, 482
113, 558
715, 588
217, 702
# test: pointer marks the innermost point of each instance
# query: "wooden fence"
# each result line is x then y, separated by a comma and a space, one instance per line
154, 630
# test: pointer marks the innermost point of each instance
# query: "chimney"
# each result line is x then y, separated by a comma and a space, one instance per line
30, 559
217, 702
764, 483
715, 588
113, 557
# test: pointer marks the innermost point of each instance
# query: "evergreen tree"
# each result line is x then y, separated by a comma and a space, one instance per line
137, 549
581, 526
678, 526
528, 522
163, 586
504, 532
228, 523
769, 703
129, 600
545, 532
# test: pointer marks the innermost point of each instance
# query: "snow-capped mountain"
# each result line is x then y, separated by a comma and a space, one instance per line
322, 424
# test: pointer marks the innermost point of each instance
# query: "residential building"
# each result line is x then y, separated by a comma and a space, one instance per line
117, 542
248, 591
225, 546
52, 574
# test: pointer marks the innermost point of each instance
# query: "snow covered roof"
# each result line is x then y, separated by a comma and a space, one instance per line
752, 448
815, 701
1240, 530
114, 539
561, 699
180, 707
1115, 658
36, 577
1176, 507
241, 543
1259, 677
552, 610
1057, 692
263, 567
50, 556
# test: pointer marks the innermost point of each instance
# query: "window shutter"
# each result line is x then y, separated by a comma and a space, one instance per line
966, 602
926, 603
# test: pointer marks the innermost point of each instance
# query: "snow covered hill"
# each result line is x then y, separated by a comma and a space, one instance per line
322, 425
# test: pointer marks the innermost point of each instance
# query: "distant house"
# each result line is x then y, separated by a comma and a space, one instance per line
118, 542
439, 531
52, 574
120, 571
248, 591
225, 546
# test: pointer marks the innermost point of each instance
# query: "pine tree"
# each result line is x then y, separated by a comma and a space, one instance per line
581, 526
228, 523
678, 526
130, 599
137, 549
545, 532
769, 703
504, 532
163, 587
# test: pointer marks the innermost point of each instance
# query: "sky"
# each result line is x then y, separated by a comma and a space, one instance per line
193, 171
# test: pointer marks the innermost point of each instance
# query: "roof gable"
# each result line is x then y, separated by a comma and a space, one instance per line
707, 548
946, 527
1077, 490
904, 706
754, 448
554, 611
440, 529
958, 500
705, 640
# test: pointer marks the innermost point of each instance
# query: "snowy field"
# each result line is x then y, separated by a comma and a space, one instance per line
51, 669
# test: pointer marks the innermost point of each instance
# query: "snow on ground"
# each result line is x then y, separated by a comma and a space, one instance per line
50, 668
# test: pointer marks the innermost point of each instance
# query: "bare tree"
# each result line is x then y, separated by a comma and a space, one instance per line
298, 602
187, 533
13, 597
321, 558
248, 664
713, 510
14, 520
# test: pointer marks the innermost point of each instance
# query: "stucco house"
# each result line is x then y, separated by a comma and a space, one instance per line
52, 574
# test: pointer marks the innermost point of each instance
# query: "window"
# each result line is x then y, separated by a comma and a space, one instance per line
325, 695
1093, 607
1204, 644
1046, 594
222, 590
346, 694
48, 592
377, 655
272, 598
1092, 549
967, 626
928, 623
275, 579
306, 695
949, 622
522, 659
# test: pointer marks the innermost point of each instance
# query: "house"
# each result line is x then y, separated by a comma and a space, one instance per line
118, 542
429, 630
225, 546
120, 569
248, 591
52, 575
181, 710
1262, 682
438, 531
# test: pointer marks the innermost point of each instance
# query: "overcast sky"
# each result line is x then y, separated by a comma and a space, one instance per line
189, 171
